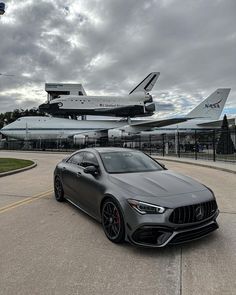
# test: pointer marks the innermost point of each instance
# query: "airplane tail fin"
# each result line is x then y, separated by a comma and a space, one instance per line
147, 84
212, 106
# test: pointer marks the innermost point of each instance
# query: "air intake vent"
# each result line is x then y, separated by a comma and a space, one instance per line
193, 213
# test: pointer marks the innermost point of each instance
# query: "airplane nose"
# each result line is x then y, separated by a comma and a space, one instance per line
3, 130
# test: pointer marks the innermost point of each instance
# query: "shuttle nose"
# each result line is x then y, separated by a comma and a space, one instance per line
49, 107
44, 107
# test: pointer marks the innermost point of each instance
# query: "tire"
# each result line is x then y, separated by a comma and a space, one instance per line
58, 190
113, 221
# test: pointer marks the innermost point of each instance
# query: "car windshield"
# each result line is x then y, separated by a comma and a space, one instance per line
128, 161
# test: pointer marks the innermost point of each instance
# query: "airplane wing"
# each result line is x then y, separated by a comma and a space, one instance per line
217, 124
89, 131
158, 123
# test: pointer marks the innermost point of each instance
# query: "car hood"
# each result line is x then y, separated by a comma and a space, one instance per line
166, 188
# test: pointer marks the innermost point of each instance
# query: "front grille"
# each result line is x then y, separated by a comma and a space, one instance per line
193, 234
193, 213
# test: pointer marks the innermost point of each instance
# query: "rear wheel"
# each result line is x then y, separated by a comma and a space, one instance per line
112, 221
58, 190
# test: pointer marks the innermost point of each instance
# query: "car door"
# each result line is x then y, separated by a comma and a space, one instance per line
72, 170
91, 187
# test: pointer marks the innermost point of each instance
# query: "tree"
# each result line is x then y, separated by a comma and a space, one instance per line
225, 144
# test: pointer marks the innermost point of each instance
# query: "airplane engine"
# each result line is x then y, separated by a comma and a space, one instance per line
117, 134
89, 137
79, 139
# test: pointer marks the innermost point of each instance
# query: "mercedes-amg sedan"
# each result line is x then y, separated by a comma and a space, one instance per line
136, 198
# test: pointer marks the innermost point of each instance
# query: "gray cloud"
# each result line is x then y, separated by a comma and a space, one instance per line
110, 46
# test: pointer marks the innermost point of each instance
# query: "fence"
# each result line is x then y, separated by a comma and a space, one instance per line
214, 144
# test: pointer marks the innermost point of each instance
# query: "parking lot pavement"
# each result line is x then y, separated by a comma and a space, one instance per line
29, 183
48, 247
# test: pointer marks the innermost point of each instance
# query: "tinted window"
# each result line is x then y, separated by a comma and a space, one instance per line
128, 161
76, 159
89, 159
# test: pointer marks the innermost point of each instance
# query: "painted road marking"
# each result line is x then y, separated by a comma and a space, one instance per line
25, 201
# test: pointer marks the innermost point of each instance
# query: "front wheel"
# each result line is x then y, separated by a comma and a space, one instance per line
58, 190
112, 221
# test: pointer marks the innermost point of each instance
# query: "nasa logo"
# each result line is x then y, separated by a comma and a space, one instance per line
215, 105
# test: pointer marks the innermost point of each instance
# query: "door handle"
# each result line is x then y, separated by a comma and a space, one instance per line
78, 174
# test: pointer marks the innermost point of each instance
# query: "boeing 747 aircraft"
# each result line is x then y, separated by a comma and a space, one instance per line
205, 115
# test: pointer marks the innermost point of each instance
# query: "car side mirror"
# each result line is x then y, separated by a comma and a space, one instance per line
162, 165
91, 170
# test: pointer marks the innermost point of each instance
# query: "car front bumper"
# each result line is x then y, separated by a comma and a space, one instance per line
158, 231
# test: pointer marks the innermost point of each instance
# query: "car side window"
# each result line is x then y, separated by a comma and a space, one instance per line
89, 159
76, 159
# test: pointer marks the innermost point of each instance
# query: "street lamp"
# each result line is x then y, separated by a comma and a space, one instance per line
2, 8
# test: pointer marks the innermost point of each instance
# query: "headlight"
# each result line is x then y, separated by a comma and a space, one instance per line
145, 208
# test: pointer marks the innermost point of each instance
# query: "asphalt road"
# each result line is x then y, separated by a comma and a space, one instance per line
48, 247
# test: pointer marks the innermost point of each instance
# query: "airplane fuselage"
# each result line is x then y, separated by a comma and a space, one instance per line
35, 128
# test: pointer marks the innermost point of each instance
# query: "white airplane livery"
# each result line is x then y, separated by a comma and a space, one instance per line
205, 115
137, 103
35, 128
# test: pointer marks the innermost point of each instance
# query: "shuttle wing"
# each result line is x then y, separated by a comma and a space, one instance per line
125, 111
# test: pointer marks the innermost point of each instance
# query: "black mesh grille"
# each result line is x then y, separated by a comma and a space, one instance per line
194, 234
193, 213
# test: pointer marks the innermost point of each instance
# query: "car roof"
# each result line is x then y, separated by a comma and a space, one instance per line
108, 149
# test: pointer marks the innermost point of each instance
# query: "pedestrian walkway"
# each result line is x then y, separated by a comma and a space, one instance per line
224, 166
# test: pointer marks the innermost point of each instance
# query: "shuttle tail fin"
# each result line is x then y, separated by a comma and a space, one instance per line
212, 106
147, 84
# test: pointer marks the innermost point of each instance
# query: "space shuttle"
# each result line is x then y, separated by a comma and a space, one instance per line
138, 103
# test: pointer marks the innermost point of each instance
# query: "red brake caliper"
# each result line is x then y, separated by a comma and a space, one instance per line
117, 216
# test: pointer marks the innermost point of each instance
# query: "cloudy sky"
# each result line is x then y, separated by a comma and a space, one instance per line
111, 45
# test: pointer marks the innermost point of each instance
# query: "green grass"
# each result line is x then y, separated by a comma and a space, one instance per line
8, 164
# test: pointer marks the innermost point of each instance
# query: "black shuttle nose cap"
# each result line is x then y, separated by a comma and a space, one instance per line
44, 107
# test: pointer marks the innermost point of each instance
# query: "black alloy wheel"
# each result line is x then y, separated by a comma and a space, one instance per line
58, 190
112, 221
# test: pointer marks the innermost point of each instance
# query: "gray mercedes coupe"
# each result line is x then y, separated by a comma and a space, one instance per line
136, 198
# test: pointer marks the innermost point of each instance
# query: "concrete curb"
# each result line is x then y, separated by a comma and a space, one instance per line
18, 170
197, 164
